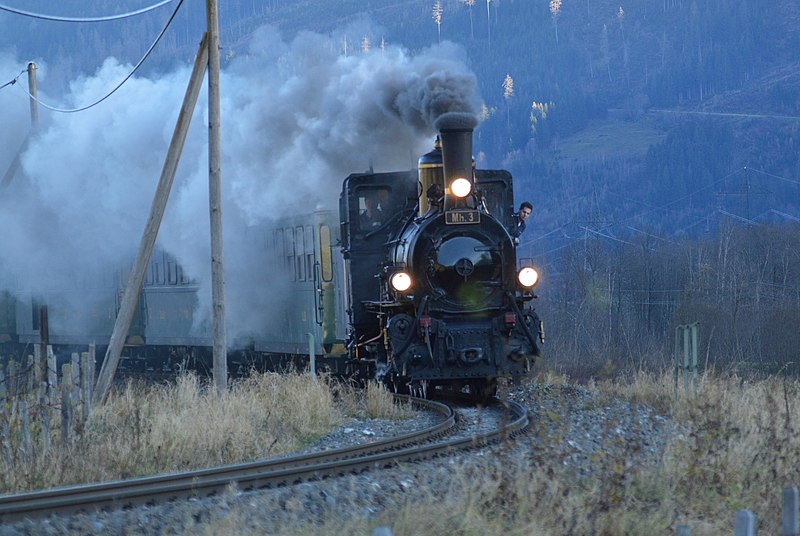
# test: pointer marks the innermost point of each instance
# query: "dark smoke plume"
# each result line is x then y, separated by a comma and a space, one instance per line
297, 118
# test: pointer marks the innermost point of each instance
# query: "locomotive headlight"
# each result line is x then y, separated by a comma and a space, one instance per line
528, 277
401, 281
461, 187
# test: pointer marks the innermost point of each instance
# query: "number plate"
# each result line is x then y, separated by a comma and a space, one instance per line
457, 217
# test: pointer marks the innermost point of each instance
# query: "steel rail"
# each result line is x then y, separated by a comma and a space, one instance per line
68, 498
260, 474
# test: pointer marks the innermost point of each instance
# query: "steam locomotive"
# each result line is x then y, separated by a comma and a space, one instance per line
416, 282
435, 296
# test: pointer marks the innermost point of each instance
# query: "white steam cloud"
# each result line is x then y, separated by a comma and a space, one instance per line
297, 118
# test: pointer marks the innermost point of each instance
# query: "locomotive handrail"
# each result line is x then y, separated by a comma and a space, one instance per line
465, 311
318, 294
525, 328
398, 215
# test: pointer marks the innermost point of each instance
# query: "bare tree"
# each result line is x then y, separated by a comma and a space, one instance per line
621, 19
485, 113
605, 51
437, 17
365, 44
488, 22
539, 111
555, 10
508, 92
470, 3
663, 48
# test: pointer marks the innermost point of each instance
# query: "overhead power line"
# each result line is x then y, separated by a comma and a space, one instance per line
88, 19
13, 80
135, 68
784, 179
729, 114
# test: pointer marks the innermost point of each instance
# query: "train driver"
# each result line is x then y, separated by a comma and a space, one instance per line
525, 209
372, 215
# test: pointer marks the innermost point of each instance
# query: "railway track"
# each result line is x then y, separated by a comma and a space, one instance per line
267, 473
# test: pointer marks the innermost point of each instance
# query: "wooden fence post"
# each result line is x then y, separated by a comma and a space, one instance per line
52, 376
30, 376
40, 357
92, 364
24, 418
44, 413
791, 504
4, 418
746, 522
86, 389
76, 386
38, 366
688, 334
66, 404
11, 378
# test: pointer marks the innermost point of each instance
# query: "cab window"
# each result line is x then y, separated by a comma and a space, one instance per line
372, 208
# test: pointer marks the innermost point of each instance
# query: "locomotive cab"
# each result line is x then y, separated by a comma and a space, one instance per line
371, 206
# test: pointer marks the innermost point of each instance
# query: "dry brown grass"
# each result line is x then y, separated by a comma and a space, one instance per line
376, 402
146, 430
381, 404
735, 446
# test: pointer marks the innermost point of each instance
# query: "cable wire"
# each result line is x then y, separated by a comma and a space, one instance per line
13, 80
136, 67
773, 176
89, 19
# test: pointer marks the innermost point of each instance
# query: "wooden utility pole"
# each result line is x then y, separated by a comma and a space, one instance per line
33, 101
136, 279
12, 169
215, 203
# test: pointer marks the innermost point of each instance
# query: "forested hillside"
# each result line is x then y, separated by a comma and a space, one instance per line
565, 83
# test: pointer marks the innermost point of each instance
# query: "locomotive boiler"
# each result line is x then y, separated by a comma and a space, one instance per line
436, 296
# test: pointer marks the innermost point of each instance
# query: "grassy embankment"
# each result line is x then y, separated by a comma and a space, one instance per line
734, 447
144, 430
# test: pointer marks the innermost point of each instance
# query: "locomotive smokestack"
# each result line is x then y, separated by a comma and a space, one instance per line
455, 130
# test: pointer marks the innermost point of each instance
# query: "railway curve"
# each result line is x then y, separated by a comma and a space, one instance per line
267, 473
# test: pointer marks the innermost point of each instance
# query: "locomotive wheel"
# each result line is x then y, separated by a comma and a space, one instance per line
397, 385
483, 390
